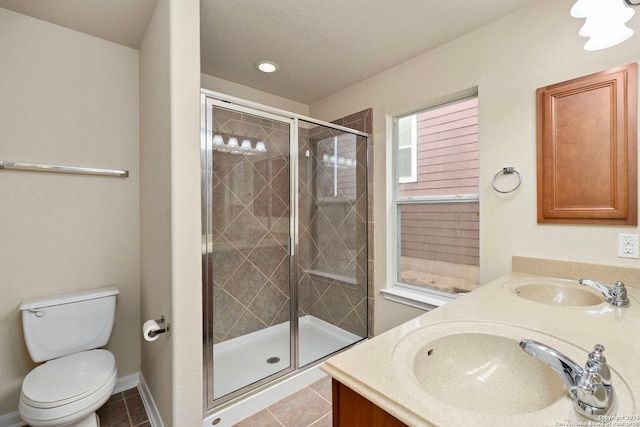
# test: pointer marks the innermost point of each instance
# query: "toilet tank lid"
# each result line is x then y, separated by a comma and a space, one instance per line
41, 302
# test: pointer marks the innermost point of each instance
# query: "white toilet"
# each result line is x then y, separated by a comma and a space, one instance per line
65, 331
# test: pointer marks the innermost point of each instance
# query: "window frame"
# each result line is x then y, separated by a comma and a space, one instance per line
398, 291
413, 149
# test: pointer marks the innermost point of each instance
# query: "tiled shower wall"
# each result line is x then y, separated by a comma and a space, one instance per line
333, 236
251, 204
363, 121
250, 267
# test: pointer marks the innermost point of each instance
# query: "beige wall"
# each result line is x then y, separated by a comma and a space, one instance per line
507, 60
170, 209
155, 203
66, 99
186, 291
244, 92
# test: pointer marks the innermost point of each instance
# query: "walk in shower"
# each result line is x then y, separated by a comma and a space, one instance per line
284, 244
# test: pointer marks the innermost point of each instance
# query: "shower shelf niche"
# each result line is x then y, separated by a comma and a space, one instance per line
333, 276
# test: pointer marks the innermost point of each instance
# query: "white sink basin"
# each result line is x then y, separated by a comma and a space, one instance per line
479, 367
556, 292
485, 373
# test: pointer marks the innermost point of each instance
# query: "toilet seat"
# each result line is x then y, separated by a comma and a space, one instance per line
68, 387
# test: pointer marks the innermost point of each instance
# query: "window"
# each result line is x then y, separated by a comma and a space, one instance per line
436, 198
407, 144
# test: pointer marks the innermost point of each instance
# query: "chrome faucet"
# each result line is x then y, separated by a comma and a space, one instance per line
589, 387
616, 295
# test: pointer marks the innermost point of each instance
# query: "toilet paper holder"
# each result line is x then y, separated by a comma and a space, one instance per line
163, 328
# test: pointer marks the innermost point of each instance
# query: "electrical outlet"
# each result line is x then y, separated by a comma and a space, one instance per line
628, 246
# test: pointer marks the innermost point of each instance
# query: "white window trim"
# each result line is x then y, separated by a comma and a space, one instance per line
421, 298
463, 198
414, 153
416, 298
403, 293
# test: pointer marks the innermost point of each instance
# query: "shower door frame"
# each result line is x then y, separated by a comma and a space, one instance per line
208, 104
208, 100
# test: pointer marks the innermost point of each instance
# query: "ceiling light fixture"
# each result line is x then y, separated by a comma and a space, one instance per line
266, 66
605, 21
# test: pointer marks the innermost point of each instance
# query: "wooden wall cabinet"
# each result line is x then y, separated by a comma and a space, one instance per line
352, 410
587, 149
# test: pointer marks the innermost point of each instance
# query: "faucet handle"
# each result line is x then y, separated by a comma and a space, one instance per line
596, 353
597, 362
618, 295
588, 380
593, 392
590, 392
590, 387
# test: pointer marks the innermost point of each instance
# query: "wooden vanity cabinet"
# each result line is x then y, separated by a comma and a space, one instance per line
587, 149
352, 410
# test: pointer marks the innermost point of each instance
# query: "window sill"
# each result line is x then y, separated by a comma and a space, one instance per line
417, 299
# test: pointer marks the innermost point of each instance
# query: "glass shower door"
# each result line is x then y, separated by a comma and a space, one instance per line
332, 240
246, 240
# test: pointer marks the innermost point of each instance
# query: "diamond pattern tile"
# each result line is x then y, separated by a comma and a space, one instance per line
251, 227
269, 301
246, 283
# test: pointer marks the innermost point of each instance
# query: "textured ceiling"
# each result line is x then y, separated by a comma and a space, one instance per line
322, 47
325, 46
120, 21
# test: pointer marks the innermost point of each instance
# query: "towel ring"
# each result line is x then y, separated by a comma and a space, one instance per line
506, 171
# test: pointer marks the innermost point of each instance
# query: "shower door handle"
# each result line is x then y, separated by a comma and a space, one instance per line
290, 246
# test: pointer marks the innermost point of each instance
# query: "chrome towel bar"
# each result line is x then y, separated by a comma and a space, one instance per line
63, 169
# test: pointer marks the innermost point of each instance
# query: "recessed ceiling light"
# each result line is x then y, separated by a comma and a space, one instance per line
266, 66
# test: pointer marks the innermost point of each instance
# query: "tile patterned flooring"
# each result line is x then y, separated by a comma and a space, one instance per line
123, 409
309, 407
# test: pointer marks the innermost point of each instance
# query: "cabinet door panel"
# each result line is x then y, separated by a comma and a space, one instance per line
587, 149
352, 410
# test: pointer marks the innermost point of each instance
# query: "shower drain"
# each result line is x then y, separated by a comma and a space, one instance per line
273, 360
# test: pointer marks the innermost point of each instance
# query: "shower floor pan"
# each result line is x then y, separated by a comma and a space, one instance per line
245, 360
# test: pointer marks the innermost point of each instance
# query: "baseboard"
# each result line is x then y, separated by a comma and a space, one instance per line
236, 412
127, 383
11, 420
124, 383
149, 403
137, 380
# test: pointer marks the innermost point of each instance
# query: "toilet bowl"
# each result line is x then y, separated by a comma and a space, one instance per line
77, 377
69, 389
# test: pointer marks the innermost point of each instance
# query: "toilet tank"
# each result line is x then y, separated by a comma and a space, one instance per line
65, 324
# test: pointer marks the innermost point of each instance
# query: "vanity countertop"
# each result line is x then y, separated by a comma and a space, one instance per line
372, 369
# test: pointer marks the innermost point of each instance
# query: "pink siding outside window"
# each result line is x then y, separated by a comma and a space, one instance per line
447, 150
434, 235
